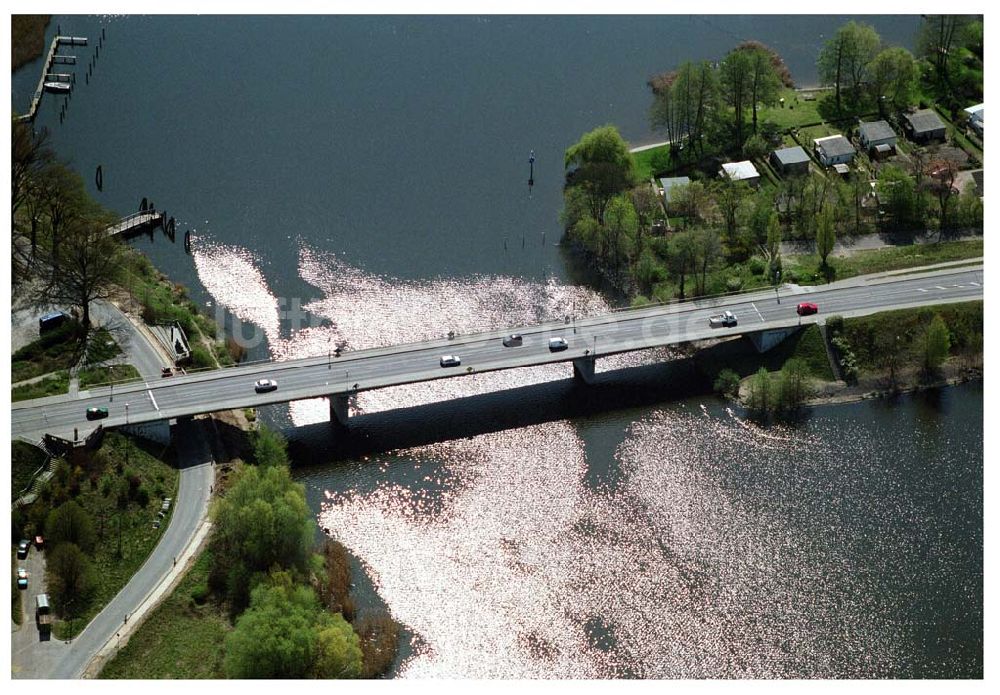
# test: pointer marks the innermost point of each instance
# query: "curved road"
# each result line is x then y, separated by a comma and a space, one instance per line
56, 659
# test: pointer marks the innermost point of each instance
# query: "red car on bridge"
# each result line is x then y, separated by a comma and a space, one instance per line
806, 308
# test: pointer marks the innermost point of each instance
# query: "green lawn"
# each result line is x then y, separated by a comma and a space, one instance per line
54, 350
796, 111
101, 347
132, 527
804, 269
52, 385
183, 638
92, 376
644, 162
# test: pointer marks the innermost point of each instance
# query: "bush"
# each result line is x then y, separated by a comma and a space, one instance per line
835, 325
70, 576
142, 496
199, 594
201, 358
734, 284
70, 523
757, 265
727, 383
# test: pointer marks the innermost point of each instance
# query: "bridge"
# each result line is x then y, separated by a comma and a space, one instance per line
137, 222
764, 316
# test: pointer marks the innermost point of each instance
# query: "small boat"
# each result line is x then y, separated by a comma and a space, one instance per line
58, 86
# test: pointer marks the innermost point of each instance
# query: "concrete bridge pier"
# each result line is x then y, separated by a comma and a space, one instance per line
338, 409
583, 370
765, 340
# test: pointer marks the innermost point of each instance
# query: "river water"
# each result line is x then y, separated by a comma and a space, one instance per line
364, 180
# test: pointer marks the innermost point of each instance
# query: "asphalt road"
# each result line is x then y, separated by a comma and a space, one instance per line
179, 396
32, 658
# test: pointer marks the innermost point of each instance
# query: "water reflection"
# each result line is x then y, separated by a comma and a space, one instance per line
546, 539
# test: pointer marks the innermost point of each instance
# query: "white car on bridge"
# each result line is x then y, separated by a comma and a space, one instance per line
727, 319
450, 360
265, 385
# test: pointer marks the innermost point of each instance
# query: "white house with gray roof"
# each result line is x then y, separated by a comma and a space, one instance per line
834, 149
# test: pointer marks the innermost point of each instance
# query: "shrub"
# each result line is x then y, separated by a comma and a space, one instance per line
734, 284
70, 523
757, 265
835, 325
727, 382
142, 496
201, 358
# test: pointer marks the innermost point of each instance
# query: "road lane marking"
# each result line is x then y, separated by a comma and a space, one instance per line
921, 289
758, 312
938, 287
153, 399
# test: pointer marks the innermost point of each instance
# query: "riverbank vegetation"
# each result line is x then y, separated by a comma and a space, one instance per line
100, 515
261, 601
709, 234
27, 38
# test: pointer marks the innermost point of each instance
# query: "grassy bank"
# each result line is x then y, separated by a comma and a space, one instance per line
805, 269
25, 459
741, 357
868, 336
52, 351
183, 638
164, 301
94, 376
27, 38
121, 487
52, 385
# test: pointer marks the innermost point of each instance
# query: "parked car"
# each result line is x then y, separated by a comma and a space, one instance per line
557, 344
513, 340
726, 318
166, 371
40, 542
450, 360
52, 321
806, 308
22, 549
22, 578
97, 413
265, 385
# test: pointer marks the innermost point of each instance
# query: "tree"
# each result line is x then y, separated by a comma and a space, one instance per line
844, 59
936, 344
793, 384
772, 247
826, 237
69, 576
82, 265
683, 100
269, 447
760, 391
969, 209
601, 165
707, 250
338, 650
29, 154
737, 75
646, 203
939, 35
262, 522
890, 353
275, 637
898, 198
765, 83
692, 201
941, 182
892, 79
620, 227
729, 196
70, 523
681, 256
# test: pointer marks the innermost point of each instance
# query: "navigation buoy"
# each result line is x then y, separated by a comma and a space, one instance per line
99, 178
531, 171
187, 241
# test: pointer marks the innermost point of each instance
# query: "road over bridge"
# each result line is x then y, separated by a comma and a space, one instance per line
155, 399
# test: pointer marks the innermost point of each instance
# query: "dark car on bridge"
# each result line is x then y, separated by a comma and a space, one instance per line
265, 385
806, 308
97, 413
513, 340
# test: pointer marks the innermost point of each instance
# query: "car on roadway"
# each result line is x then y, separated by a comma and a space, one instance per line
450, 360
806, 308
513, 340
97, 413
265, 385
726, 318
22, 549
557, 344
22, 578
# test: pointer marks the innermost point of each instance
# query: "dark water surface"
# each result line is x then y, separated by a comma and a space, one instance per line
354, 180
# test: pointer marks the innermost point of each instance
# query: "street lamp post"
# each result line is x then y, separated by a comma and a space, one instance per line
126, 413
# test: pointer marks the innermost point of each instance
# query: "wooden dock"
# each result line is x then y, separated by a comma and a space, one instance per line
142, 221
50, 59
